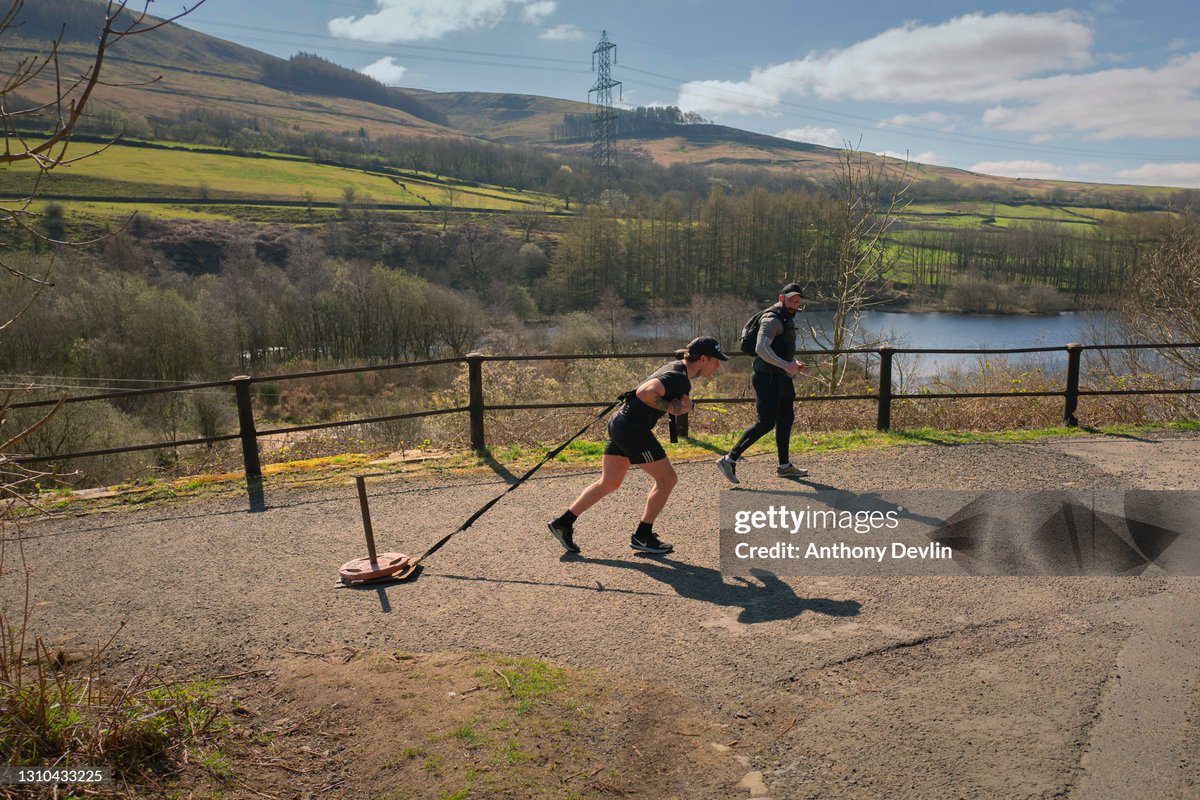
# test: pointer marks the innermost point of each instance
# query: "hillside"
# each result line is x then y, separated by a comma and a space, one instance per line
508, 118
194, 71
205, 75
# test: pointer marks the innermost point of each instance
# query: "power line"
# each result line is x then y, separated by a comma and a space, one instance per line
824, 115
809, 112
392, 47
417, 57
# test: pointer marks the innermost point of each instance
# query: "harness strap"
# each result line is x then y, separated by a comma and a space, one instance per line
471, 520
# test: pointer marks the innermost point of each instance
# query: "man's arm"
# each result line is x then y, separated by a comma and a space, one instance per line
654, 394
770, 327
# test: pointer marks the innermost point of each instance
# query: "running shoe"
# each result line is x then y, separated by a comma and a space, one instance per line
564, 534
649, 543
728, 468
789, 471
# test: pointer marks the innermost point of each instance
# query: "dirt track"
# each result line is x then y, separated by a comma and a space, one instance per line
842, 688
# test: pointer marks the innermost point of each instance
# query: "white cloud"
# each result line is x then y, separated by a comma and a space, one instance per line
1026, 69
718, 97
830, 137
1178, 43
928, 157
385, 70
537, 11
965, 58
562, 33
1183, 174
1019, 169
1111, 104
930, 119
414, 20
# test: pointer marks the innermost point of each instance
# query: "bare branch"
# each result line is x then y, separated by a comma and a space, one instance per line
866, 201
46, 152
29, 431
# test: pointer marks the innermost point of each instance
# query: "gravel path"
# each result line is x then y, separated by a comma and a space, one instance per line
865, 687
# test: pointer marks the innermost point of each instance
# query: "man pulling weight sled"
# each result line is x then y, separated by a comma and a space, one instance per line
631, 441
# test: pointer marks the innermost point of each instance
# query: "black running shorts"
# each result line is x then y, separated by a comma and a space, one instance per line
635, 442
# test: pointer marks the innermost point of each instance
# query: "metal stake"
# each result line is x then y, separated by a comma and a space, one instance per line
366, 515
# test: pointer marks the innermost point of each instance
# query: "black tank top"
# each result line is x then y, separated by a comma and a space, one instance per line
674, 379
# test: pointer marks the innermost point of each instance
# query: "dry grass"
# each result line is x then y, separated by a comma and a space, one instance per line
61, 708
349, 397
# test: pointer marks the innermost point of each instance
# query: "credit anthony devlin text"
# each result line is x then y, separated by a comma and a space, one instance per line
842, 550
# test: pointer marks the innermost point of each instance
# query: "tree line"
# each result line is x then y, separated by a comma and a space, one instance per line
264, 296
308, 72
643, 120
177, 300
666, 251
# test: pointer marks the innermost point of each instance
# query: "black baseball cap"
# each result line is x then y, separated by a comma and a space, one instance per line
706, 346
792, 288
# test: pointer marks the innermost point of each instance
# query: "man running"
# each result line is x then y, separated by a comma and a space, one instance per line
774, 392
632, 442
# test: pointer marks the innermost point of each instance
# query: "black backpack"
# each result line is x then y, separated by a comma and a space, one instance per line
750, 331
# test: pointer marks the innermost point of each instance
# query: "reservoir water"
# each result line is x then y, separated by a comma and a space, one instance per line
967, 331
952, 331
937, 330
955, 331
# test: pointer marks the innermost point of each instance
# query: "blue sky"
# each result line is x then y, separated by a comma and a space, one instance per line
1103, 91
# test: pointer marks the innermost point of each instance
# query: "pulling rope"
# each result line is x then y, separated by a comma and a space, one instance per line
471, 520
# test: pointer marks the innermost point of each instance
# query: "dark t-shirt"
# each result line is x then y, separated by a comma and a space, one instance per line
674, 379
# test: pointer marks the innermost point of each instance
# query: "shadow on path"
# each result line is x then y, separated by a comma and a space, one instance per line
1115, 435
858, 501
772, 600
703, 446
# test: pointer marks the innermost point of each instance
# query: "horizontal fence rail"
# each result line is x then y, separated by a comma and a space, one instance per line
477, 407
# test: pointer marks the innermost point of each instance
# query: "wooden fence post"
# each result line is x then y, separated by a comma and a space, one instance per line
883, 420
1074, 351
475, 404
254, 481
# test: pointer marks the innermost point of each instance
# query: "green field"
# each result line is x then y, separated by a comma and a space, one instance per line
970, 214
128, 174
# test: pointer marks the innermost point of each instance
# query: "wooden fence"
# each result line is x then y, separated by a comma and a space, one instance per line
477, 406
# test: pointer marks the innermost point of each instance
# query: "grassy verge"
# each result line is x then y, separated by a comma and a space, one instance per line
580, 454
62, 709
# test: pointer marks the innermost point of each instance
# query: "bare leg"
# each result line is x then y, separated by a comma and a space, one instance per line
664, 481
611, 476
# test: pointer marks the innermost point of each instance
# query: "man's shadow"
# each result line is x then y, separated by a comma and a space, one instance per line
772, 600
858, 501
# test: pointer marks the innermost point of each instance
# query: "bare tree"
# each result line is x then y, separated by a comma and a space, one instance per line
1162, 298
47, 151
868, 196
615, 316
448, 206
